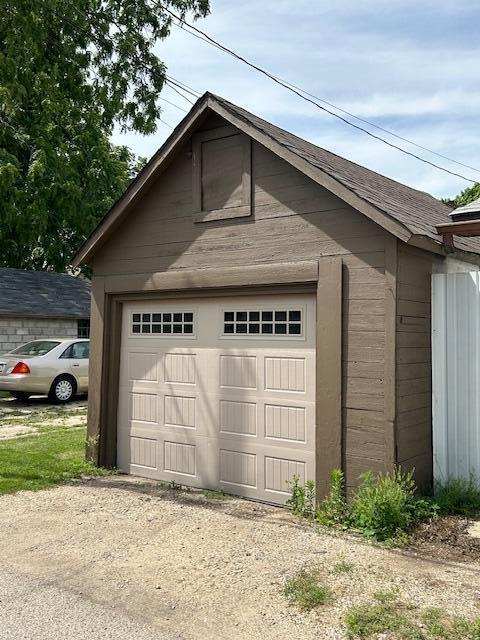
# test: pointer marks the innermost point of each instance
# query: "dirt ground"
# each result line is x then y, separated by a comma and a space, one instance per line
193, 566
23, 418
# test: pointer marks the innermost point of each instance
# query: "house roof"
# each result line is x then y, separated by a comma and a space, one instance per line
44, 294
407, 213
467, 209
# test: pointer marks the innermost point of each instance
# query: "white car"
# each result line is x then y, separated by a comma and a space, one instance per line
54, 367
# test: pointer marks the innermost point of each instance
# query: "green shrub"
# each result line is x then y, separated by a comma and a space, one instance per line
333, 510
306, 591
302, 497
459, 496
383, 507
386, 505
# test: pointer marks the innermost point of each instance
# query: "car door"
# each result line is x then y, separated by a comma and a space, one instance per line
78, 354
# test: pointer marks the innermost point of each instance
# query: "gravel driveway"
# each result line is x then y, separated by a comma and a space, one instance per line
189, 566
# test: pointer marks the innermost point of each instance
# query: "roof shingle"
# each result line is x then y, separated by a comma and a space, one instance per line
43, 293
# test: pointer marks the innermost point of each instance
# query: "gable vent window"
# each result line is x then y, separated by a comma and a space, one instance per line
263, 323
166, 323
222, 181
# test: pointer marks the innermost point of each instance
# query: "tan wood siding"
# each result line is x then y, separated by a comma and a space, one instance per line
414, 413
293, 219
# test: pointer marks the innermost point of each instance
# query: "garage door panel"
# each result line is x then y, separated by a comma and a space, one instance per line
236, 412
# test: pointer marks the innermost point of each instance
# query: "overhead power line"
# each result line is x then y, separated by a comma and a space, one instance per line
304, 95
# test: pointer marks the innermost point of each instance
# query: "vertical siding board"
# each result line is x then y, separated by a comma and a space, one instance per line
439, 377
456, 374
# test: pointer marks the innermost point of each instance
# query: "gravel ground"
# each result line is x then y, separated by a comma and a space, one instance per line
31, 609
192, 567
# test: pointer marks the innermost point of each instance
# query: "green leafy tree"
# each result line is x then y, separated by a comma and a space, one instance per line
70, 70
468, 195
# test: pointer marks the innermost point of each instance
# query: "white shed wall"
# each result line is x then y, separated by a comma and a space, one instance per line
456, 374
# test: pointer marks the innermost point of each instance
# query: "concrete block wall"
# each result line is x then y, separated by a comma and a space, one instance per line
17, 331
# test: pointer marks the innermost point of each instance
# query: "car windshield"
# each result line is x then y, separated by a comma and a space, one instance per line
37, 348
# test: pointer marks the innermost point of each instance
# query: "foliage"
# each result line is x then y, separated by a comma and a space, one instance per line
468, 195
388, 615
69, 72
333, 509
383, 507
306, 591
44, 460
459, 496
386, 505
302, 497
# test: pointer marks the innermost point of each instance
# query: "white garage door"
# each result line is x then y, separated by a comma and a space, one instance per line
219, 392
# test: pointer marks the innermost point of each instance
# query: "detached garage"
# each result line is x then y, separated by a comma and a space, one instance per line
261, 309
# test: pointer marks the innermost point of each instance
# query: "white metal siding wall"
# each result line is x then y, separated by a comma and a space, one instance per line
456, 374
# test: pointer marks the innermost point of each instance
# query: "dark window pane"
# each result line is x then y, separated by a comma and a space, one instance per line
267, 328
136, 328
188, 317
294, 329
254, 328
254, 316
177, 317
281, 329
241, 315
146, 317
156, 317
136, 317
228, 328
177, 328
167, 328
188, 328
229, 316
145, 328
167, 317
294, 315
156, 328
267, 316
241, 328
280, 315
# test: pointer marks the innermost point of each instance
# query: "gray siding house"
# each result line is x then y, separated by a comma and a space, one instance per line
41, 304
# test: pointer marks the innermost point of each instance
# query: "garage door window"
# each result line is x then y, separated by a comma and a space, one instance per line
165, 323
272, 322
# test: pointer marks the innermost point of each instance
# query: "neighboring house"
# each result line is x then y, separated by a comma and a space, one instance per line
41, 304
261, 309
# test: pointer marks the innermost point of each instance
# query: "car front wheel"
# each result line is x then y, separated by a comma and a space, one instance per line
62, 390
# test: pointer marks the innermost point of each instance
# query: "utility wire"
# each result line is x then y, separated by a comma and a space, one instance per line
305, 96
173, 104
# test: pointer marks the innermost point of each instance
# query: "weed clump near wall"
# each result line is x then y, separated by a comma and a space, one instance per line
384, 507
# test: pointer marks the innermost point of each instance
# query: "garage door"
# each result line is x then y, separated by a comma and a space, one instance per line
219, 393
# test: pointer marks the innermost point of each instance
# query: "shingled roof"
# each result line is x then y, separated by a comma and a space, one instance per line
419, 211
43, 294
406, 212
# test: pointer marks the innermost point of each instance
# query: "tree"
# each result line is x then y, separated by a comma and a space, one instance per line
467, 195
69, 71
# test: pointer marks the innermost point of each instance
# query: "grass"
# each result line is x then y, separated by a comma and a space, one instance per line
459, 496
342, 566
219, 494
389, 615
50, 458
306, 591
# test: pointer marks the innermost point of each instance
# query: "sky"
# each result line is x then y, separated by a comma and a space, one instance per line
410, 66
